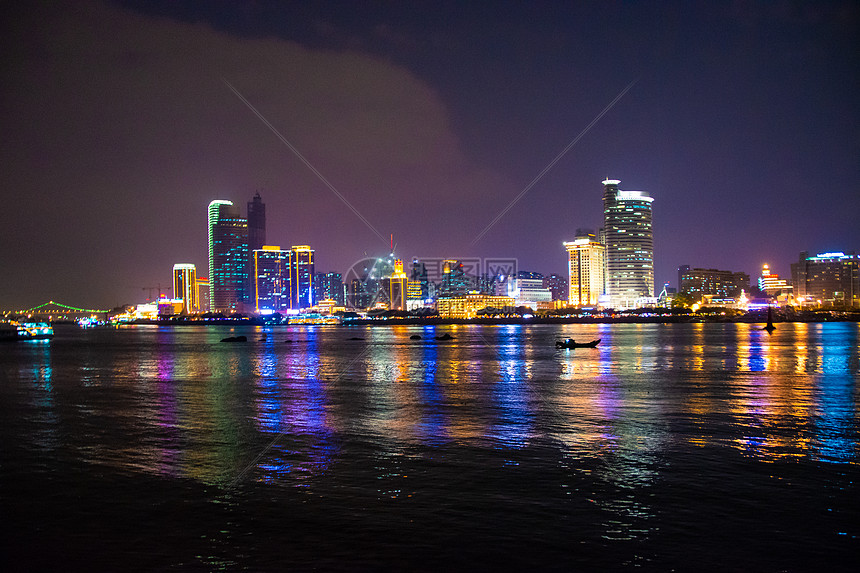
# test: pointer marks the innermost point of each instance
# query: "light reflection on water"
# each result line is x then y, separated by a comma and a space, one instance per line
188, 405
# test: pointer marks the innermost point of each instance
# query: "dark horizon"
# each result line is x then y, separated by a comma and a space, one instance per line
429, 119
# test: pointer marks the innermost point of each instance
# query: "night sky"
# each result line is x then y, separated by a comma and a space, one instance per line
429, 118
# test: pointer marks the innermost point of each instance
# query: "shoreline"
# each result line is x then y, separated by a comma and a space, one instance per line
437, 321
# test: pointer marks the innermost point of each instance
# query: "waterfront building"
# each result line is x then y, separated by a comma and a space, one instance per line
202, 294
397, 287
559, 286
271, 279
629, 246
361, 293
455, 282
419, 281
468, 305
228, 257
185, 287
698, 283
586, 267
301, 277
256, 237
770, 283
529, 289
827, 279
329, 286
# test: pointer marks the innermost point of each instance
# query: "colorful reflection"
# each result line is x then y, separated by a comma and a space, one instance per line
179, 402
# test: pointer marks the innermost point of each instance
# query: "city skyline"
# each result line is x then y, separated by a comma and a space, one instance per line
429, 123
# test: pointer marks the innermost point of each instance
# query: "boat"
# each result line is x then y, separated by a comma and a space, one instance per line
11, 331
571, 343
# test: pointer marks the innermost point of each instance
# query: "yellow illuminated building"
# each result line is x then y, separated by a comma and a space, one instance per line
771, 284
586, 263
185, 287
413, 289
397, 287
467, 306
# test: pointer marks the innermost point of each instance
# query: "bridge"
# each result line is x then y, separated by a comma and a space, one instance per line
51, 311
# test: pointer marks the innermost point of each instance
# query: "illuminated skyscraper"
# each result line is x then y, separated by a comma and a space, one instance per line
454, 279
256, 237
585, 270
272, 279
559, 286
397, 287
301, 277
629, 245
185, 287
228, 257
329, 286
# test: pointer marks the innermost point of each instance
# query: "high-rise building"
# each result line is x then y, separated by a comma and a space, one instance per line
529, 289
203, 294
454, 279
301, 277
185, 287
681, 270
827, 279
419, 277
329, 286
586, 264
228, 257
361, 293
629, 246
256, 237
397, 287
770, 283
271, 282
558, 285
721, 284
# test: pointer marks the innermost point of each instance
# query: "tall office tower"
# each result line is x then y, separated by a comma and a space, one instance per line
397, 287
271, 279
228, 257
256, 237
558, 286
454, 279
185, 287
419, 276
329, 286
681, 270
586, 266
361, 293
301, 277
827, 279
629, 245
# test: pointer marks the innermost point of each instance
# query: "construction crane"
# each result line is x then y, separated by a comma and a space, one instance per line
156, 288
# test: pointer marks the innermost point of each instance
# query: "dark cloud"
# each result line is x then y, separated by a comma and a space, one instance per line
120, 131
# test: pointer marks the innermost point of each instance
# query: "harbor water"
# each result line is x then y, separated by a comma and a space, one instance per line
706, 447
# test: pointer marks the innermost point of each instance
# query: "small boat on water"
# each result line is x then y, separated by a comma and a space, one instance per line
26, 331
571, 343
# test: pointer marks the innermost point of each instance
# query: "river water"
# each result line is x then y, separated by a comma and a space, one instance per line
686, 446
